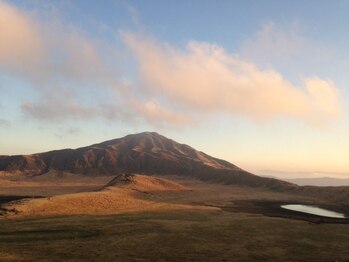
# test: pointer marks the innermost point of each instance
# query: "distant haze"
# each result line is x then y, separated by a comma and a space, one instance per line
321, 181
306, 178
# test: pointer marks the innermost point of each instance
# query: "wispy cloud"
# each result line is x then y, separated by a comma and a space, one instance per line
287, 47
74, 76
206, 78
4, 123
159, 116
67, 131
133, 13
50, 53
21, 46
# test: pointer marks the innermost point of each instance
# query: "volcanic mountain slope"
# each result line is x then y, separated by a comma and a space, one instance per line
146, 153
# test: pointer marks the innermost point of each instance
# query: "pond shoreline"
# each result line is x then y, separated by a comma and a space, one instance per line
274, 209
315, 210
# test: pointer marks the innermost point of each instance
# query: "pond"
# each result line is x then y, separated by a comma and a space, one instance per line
313, 210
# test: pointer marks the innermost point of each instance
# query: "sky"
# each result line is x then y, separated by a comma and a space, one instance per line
262, 84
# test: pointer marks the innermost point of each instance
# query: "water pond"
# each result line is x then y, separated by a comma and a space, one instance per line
313, 210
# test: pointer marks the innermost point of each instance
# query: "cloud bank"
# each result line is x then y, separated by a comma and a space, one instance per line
76, 76
206, 78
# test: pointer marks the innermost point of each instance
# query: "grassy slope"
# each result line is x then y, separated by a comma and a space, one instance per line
172, 236
123, 194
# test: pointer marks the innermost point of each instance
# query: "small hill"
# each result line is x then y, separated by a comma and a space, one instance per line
124, 193
143, 183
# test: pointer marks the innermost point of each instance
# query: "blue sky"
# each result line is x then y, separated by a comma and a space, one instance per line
262, 84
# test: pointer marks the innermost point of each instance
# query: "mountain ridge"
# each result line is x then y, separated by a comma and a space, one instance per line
145, 153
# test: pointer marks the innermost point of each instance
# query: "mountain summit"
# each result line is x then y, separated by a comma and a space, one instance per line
147, 153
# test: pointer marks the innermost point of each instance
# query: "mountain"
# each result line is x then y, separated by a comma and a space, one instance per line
146, 153
320, 181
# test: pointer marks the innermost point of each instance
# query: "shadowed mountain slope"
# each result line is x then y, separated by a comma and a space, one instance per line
146, 153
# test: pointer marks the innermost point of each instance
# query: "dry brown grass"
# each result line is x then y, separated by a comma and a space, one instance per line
134, 196
143, 183
8, 257
141, 221
183, 235
49, 184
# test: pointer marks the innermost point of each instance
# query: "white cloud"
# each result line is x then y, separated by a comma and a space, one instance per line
21, 46
287, 47
157, 115
208, 79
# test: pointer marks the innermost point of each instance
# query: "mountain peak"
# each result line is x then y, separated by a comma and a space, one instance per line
146, 134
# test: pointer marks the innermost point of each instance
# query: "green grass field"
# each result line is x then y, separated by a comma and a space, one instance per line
172, 236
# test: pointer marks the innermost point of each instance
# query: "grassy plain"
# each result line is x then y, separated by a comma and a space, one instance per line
173, 235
